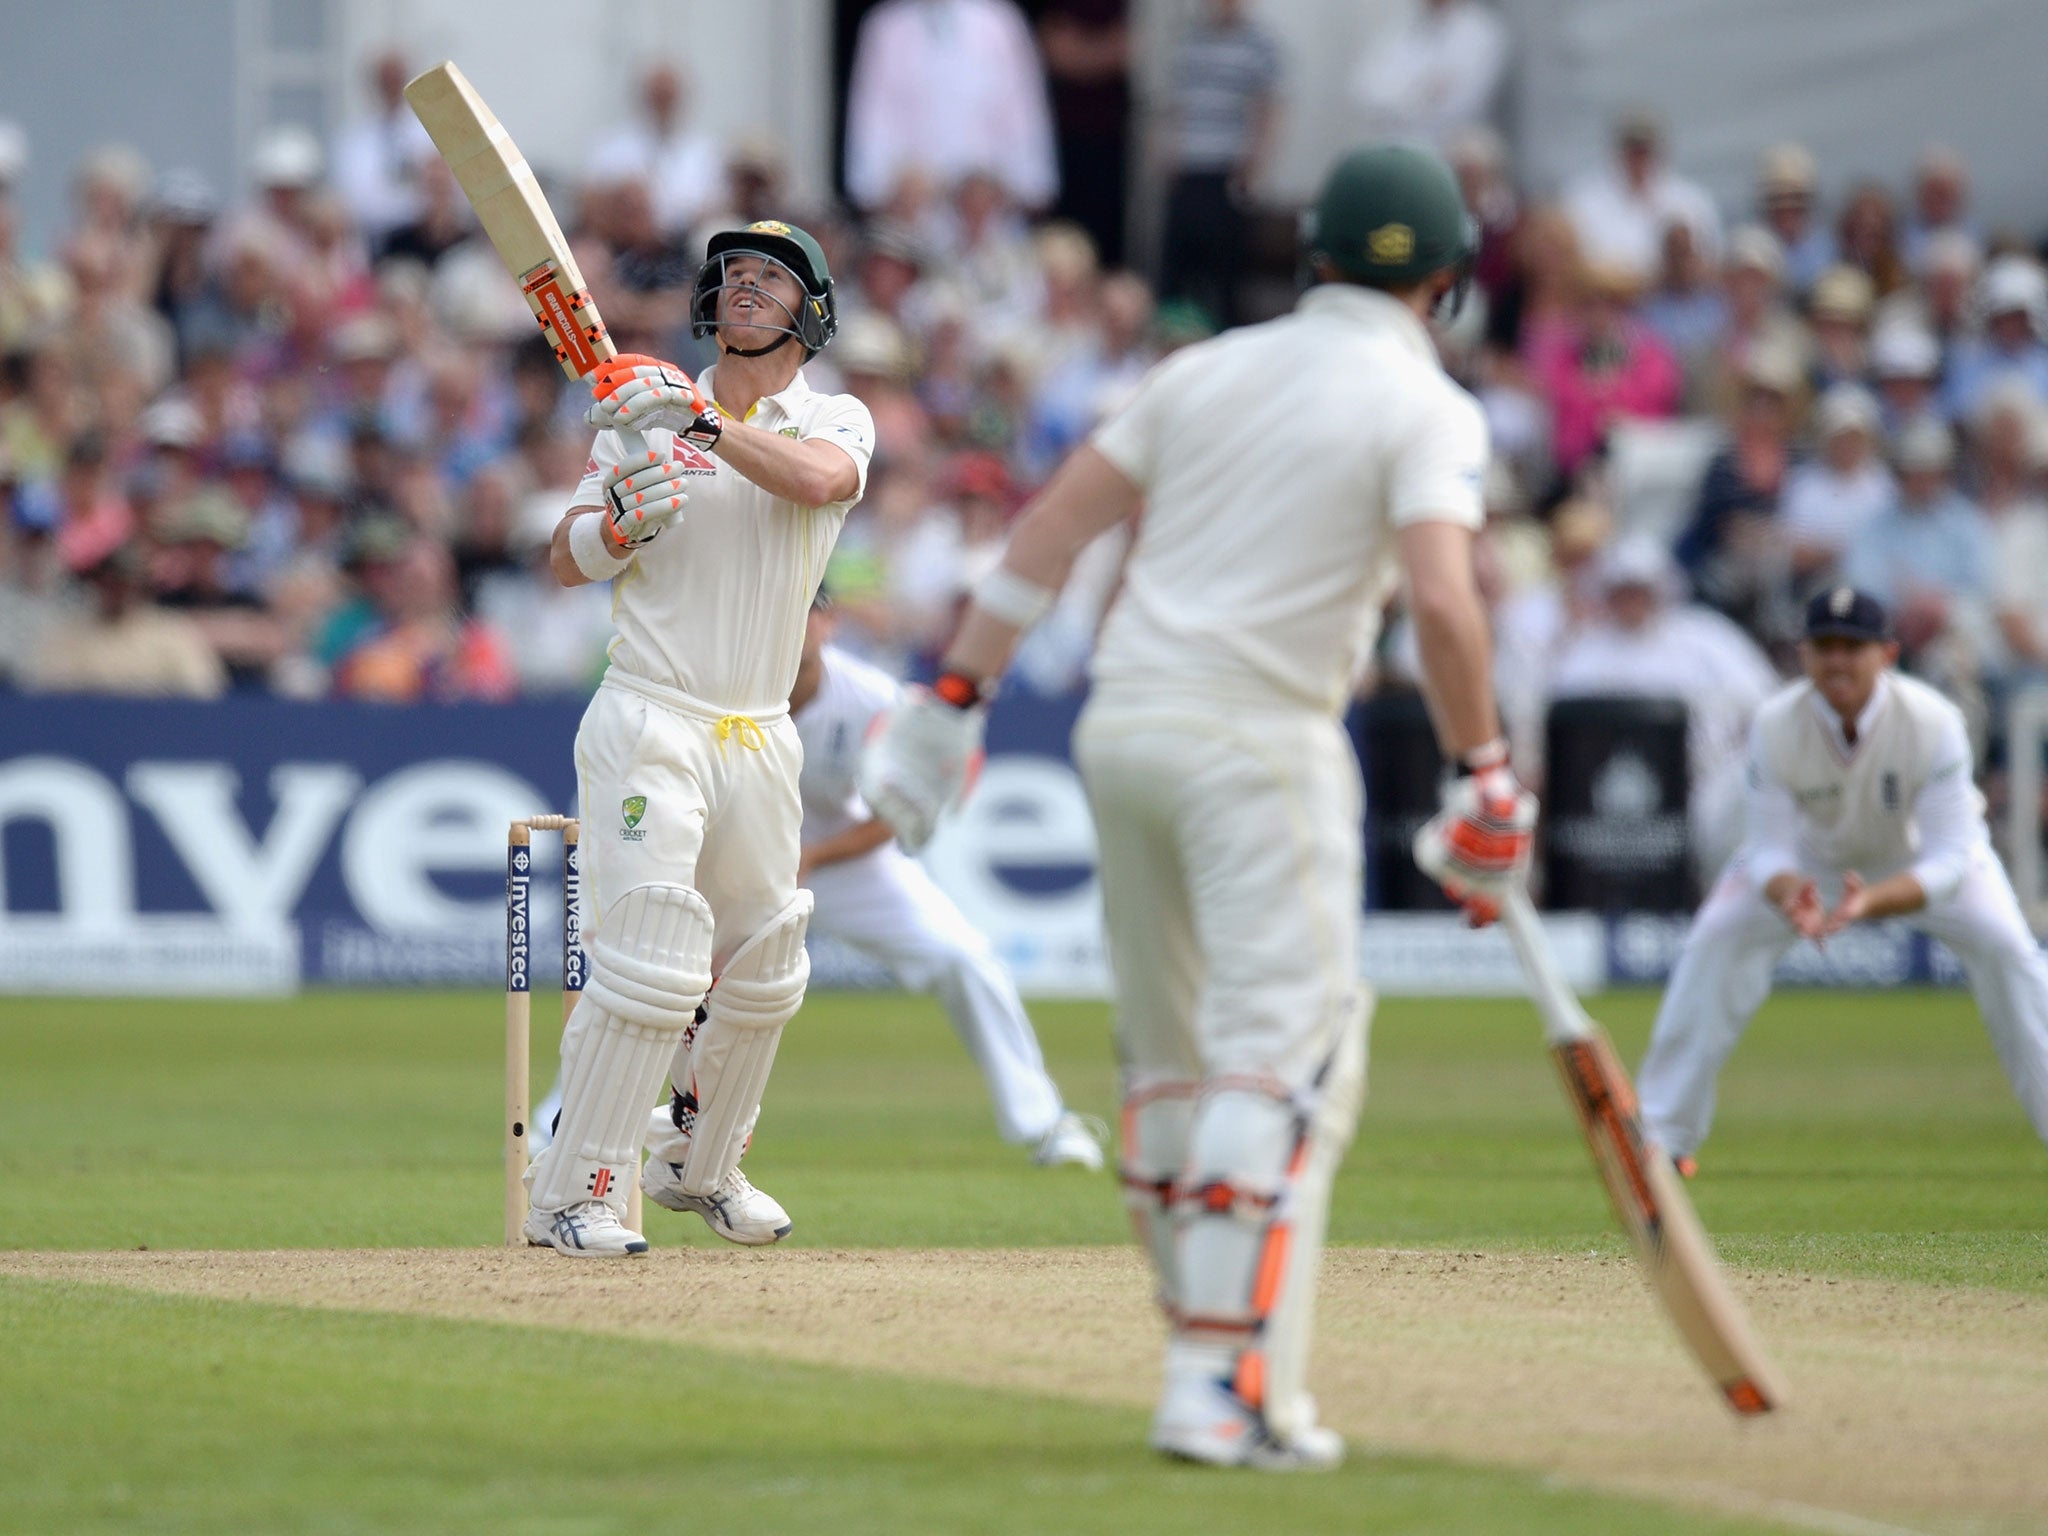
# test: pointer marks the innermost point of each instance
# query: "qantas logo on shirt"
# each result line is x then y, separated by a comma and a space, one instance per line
694, 460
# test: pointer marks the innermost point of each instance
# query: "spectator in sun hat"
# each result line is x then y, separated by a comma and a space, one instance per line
1833, 497
1928, 556
1941, 203
1600, 366
2007, 441
1905, 365
1759, 318
1838, 313
2012, 298
1788, 200
1946, 300
2012, 455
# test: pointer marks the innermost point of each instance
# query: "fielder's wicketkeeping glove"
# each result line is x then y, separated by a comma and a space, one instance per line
1477, 847
637, 393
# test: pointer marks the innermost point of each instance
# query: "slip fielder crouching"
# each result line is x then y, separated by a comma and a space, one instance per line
1861, 805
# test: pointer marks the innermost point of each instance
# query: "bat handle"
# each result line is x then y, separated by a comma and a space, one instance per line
1563, 1018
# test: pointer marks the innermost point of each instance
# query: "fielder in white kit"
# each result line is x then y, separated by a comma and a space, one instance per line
872, 895
1860, 794
1288, 474
686, 760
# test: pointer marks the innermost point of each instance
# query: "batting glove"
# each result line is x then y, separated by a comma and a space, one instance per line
637, 393
642, 499
1477, 846
920, 757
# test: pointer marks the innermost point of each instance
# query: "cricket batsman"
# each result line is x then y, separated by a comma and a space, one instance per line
876, 898
686, 760
1289, 474
1861, 806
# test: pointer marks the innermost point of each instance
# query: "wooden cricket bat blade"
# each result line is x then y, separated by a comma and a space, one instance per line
514, 212
1676, 1255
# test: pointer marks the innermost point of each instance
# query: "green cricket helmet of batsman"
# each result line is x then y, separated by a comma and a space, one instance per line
1391, 215
816, 319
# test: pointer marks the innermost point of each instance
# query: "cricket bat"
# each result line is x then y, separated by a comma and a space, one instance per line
1648, 1197
514, 212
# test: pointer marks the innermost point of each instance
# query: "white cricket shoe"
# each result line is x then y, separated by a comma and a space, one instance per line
590, 1229
1072, 1142
1201, 1419
736, 1210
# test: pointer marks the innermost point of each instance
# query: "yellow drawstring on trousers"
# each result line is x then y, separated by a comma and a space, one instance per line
748, 732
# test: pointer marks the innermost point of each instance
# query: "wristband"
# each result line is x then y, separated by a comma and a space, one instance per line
592, 551
1003, 594
1484, 758
958, 690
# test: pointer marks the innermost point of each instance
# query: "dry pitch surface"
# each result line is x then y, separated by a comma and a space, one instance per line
1914, 1408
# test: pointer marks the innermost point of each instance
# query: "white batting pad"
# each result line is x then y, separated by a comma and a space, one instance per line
759, 991
1156, 1120
650, 963
1250, 1216
1341, 1095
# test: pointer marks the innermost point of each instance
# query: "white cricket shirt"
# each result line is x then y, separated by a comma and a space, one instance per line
1277, 463
1901, 798
714, 605
832, 726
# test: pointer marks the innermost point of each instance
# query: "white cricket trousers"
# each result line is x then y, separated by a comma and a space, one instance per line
885, 905
1231, 869
674, 793
1724, 975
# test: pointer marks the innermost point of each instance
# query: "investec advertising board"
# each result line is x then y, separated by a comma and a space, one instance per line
250, 845
254, 845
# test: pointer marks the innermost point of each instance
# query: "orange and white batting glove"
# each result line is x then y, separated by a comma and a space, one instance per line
1477, 847
637, 393
641, 498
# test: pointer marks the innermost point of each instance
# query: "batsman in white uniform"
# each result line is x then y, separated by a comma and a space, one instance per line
686, 760
1860, 795
876, 898
1289, 474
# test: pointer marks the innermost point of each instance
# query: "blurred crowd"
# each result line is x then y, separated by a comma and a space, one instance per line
308, 440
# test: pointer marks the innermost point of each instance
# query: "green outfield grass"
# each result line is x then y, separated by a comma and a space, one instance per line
1869, 1133
1860, 1135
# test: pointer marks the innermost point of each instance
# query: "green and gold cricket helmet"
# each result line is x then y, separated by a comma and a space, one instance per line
797, 252
1392, 214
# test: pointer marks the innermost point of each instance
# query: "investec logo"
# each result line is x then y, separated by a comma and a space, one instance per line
518, 881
